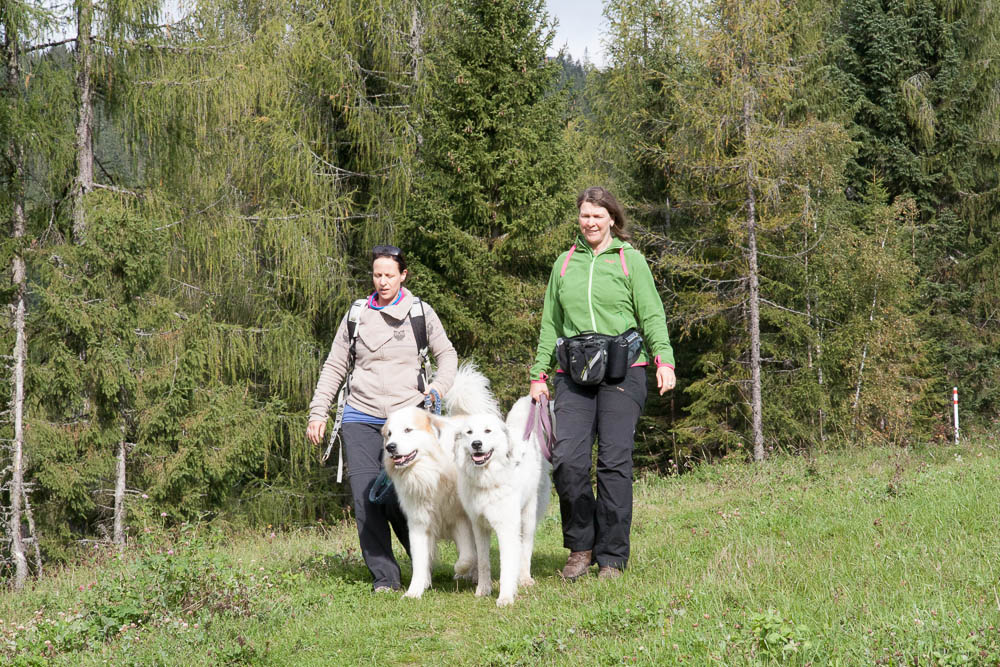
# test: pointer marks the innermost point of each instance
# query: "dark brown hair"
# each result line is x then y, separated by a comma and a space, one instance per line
391, 252
598, 196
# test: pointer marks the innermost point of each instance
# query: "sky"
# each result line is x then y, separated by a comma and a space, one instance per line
581, 26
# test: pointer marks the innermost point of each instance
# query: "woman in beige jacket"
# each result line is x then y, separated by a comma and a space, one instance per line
385, 378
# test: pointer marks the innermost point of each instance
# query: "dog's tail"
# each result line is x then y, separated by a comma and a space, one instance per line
470, 394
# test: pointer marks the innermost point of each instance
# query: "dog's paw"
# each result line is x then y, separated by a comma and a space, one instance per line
414, 593
526, 581
505, 600
483, 591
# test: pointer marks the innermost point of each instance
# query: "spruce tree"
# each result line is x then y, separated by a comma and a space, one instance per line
492, 187
921, 79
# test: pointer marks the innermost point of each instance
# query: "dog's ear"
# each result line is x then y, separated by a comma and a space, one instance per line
444, 429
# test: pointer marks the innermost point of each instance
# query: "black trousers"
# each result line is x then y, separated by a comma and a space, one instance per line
363, 452
608, 412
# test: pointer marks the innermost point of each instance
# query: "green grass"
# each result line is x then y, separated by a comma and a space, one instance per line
854, 558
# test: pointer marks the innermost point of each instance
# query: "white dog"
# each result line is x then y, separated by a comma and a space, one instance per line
419, 458
503, 483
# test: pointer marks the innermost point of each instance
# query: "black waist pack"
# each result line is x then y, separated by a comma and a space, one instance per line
592, 358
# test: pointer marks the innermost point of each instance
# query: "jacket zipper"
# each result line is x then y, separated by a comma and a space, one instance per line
590, 292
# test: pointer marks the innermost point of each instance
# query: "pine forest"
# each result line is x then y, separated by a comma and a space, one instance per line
191, 198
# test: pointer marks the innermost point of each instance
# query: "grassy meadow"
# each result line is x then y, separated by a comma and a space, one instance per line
878, 556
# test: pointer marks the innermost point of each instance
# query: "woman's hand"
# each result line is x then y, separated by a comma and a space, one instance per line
539, 388
315, 431
665, 379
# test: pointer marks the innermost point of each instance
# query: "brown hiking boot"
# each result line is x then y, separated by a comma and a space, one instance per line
608, 572
577, 565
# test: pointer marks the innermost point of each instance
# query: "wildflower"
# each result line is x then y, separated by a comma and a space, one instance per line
145, 496
163, 514
170, 552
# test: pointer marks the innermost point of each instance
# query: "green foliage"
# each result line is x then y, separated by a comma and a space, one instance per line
920, 80
776, 638
483, 222
170, 581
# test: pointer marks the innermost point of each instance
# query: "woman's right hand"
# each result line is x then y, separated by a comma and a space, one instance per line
539, 388
315, 431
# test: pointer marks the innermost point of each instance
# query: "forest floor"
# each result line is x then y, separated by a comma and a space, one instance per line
861, 557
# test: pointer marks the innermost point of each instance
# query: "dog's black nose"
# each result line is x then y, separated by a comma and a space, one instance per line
477, 445
391, 448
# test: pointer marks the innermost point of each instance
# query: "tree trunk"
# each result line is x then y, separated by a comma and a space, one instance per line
84, 182
15, 157
864, 351
33, 532
119, 532
754, 281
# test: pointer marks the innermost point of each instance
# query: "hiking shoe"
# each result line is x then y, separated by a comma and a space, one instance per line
385, 589
608, 572
577, 565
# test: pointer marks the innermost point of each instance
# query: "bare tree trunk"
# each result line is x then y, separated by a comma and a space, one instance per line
864, 351
814, 324
34, 533
15, 157
119, 531
84, 182
756, 406
416, 42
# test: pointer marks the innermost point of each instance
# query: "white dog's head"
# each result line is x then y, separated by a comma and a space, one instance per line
481, 439
406, 434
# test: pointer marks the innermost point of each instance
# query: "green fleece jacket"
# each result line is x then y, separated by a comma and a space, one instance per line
597, 293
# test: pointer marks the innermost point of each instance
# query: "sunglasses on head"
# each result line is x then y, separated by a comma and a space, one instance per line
390, 250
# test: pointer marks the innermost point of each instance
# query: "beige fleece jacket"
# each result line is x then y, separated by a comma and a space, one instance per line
386, 366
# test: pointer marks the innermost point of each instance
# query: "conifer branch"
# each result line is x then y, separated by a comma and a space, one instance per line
112, 188
39, 47
790, 310
170, 48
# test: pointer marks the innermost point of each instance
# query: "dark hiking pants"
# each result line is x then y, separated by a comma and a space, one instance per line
363, 452
608, 412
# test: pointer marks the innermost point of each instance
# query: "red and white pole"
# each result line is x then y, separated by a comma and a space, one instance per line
954, 401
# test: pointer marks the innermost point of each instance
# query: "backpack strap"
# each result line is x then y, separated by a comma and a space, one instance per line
572, 249
353, 322
419, 323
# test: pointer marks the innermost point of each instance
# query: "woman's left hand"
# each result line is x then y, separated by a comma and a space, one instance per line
665, 379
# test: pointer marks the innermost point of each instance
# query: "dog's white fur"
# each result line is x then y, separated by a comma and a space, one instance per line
419, 458
503, 483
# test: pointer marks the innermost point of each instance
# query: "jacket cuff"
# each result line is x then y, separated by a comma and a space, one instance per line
661, 363
542, 377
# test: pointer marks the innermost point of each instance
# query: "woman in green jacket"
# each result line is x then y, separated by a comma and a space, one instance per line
601, 284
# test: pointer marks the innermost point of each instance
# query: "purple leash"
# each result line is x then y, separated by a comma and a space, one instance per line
540, 424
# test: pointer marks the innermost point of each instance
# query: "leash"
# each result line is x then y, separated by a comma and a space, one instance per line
432, 402
540, 424
338, 420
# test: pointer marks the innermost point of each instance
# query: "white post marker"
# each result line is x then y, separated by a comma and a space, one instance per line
954, 400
